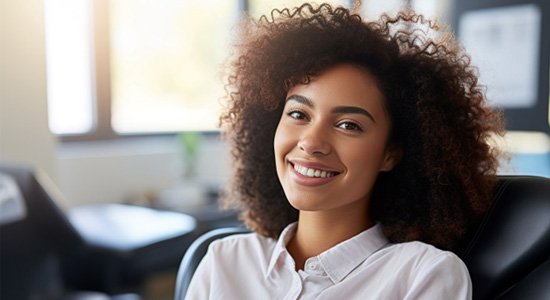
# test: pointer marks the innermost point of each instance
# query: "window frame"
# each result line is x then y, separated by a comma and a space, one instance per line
102, 128
101, 85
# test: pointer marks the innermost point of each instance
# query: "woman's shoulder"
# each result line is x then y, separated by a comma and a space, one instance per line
248, 252
421, 256
418, 246
243, 243
421, 271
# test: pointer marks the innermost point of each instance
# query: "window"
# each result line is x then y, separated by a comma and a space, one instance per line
68, 53
126, 67
130, 67
166, 60
258, 8
372, 9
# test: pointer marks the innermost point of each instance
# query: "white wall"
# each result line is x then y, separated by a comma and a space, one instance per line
131, 171
24, 134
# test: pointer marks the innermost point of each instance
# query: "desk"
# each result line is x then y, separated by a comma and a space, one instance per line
124, 244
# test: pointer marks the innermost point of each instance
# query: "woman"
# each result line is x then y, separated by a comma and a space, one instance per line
361, 158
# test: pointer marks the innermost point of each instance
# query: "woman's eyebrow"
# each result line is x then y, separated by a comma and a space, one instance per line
300, 99
337, 110
352, 110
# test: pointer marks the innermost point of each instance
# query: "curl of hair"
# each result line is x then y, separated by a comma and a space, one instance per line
439, 115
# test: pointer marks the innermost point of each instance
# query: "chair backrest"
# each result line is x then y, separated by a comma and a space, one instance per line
31, 242
513, 239
194, 255
42, 211
507, 257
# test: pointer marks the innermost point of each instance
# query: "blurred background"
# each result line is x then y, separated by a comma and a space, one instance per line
117, 102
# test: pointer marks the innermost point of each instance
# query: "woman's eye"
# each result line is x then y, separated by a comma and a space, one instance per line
296, 115
350, 126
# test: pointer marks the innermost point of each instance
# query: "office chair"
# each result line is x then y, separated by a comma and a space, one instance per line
50, 253
32, 242
507, 254
510, 250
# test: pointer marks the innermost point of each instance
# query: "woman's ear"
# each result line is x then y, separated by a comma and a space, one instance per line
394, 153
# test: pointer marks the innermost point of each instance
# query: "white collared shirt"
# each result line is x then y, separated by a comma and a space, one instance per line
366, 266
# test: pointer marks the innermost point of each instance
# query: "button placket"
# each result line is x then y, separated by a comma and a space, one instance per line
313, 266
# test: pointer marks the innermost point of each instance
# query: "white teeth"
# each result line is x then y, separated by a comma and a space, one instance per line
312, 172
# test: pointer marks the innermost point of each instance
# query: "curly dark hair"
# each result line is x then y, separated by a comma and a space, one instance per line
438, 112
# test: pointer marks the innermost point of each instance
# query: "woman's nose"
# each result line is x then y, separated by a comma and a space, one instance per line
314, 141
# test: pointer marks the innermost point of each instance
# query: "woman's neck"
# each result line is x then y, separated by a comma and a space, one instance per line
319, 231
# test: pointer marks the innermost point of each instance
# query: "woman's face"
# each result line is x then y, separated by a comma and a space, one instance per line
330, 143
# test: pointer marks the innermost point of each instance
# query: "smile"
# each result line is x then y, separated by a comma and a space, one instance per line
315, 173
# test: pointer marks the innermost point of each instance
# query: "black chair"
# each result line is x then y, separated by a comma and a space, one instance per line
32, 244
507, 254
510, 250
49, 253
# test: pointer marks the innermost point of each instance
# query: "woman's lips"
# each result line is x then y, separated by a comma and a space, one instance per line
313, 172
308, 176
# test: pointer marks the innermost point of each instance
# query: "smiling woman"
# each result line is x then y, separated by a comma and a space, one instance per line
362, 155
333, 131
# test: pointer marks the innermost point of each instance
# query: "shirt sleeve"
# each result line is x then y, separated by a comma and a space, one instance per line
444, 277
199, 287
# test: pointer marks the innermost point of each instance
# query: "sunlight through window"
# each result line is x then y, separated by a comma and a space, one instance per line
68, 59
166, 63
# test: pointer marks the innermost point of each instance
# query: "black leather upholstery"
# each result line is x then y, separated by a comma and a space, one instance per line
536, 285
508, 255
514, 237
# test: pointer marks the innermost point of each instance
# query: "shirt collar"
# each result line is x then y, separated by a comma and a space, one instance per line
339, 260
280, 248
343, 258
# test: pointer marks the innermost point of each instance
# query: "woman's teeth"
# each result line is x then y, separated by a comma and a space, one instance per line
312, 172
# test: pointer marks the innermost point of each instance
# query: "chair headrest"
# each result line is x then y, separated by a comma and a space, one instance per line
514, 236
